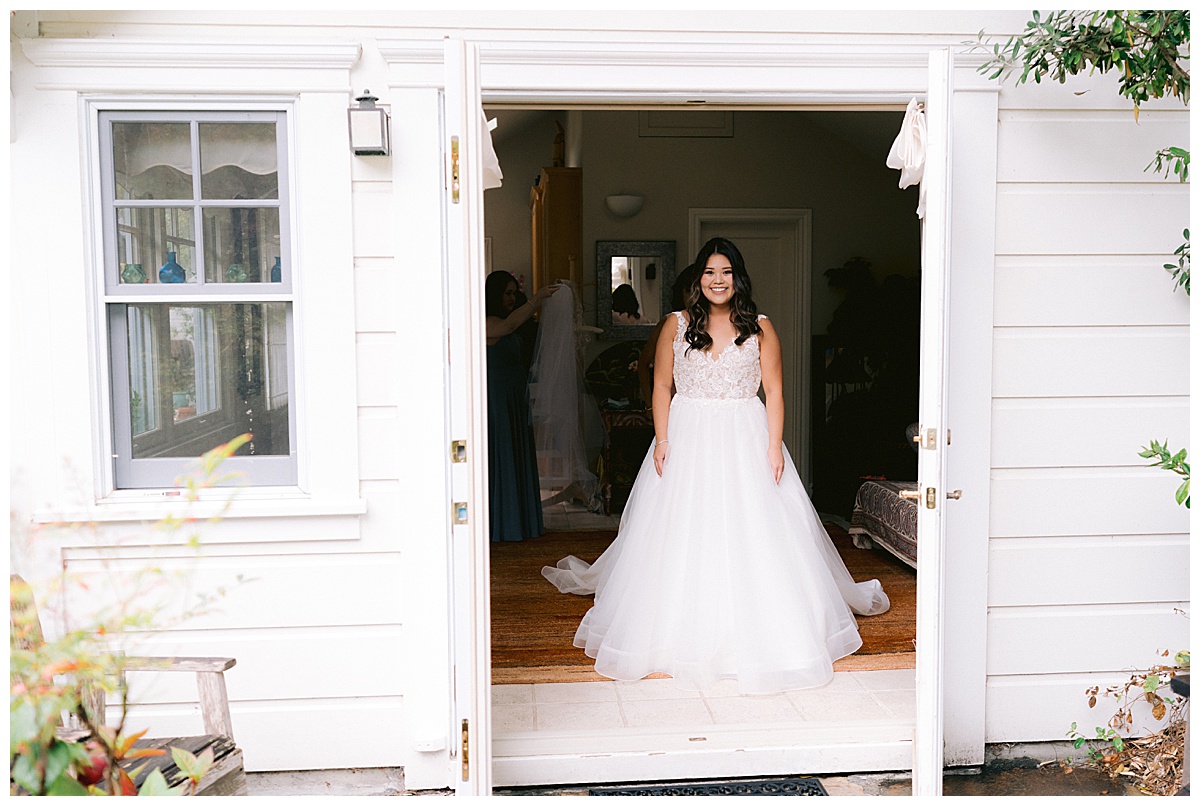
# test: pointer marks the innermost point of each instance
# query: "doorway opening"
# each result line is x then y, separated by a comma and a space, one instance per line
851, 346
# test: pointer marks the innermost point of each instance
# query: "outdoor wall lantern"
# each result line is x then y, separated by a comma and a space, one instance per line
369, 127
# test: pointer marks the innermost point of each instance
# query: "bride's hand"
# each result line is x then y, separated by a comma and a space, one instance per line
661, 451
775, 457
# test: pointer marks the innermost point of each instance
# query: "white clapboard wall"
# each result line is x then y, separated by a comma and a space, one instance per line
1089, 553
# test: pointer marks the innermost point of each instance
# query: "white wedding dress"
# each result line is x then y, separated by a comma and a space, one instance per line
716, 571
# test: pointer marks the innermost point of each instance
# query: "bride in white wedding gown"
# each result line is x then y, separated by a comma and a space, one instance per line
721, 567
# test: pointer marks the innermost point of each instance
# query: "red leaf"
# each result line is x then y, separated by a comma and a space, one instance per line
128, 787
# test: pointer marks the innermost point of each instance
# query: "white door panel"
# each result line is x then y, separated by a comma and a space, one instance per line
928, 745
467, 402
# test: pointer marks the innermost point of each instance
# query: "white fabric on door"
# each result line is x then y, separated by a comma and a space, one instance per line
493, 177
908, 151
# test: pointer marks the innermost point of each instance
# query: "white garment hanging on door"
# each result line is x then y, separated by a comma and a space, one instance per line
566, 421
493, 177
908, 151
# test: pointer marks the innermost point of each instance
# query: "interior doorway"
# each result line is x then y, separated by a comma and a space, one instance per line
847, 219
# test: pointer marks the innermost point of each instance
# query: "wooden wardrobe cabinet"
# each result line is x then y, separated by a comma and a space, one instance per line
556, 203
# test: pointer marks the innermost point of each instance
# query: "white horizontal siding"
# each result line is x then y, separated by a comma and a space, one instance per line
263, 655
1085, 501
1078, 219
373, 222
1036, 708
376, 289
1071, 290
277, 591
307, 734
379, 443
1080, 362
1084, 432
1086, 146
1070, 570
378, 356
1081, 93
1082, 638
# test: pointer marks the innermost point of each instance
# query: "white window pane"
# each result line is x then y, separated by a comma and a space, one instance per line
143, 385
156, 245
152, 160
238, 161
241, 245
205, 374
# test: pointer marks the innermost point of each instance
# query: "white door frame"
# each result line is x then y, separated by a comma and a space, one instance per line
799, 377
780, 75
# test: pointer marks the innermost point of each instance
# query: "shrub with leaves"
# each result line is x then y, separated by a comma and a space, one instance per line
1176, 463
50, 678
1153, 763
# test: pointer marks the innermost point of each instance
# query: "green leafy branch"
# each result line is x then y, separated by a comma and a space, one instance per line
1142, 45
1181, 270
1176, 463
1172, 160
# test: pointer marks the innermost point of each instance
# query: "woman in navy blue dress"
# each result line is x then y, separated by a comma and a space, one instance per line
513, 489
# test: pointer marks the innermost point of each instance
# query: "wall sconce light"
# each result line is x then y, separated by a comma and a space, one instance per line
369, 127
625, 205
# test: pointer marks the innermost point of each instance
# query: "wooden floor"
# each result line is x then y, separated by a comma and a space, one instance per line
533, 624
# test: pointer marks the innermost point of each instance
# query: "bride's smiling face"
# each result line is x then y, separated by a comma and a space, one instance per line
716, 281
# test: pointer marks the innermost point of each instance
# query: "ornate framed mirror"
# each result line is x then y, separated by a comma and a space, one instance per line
633, 286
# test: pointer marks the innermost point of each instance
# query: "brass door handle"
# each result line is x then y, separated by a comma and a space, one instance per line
957, 494
911, 495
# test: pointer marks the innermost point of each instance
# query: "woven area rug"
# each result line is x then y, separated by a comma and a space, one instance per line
533, 624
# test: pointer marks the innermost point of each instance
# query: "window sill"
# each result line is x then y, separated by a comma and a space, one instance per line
124, 507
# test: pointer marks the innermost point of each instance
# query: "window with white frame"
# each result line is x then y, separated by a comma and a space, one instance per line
198, 293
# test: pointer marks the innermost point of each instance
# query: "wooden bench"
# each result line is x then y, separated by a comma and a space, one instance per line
227, 775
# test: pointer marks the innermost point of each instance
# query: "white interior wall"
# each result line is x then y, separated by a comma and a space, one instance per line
773, 160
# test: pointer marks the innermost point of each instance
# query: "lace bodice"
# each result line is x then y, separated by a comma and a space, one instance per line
736, 372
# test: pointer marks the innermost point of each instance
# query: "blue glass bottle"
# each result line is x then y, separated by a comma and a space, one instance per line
171, 272
277, 272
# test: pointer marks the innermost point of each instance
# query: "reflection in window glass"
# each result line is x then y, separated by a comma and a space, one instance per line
202, 374
241, 245
143, 383
152, 160
156, 245
238, 161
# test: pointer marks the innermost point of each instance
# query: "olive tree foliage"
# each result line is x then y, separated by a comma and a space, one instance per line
1148, 49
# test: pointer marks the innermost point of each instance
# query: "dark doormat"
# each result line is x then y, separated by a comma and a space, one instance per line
763, 786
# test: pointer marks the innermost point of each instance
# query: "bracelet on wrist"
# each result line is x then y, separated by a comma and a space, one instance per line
660, 442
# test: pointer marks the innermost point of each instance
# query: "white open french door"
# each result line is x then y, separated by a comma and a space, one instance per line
462, 132
467, 401
928, 741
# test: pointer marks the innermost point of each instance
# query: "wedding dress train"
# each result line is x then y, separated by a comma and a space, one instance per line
717, 571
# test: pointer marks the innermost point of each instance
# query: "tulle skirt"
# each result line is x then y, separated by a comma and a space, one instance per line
718, 572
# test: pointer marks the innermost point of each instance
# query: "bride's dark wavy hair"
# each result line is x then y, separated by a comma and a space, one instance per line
742, 310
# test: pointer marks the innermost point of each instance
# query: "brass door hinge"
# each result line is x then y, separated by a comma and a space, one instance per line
454, 183
458, 512
466, 751
458, 451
